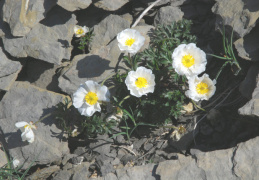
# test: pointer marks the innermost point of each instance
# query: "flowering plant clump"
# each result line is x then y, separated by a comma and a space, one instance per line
26, 128
80, 31
130, 41
201, 88
189, 60
89, 96
140, 82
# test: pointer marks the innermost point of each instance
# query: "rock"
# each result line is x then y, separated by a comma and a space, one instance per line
252, 107
107, 30
167, 15
95, 67
172, 2
248, 46
43, 173
30, 104
110, 5
238, 14
23, 15
3, 158
183, 168
248, 85
48, 41
137, 172
9, 71
3, 28
245, 159
73, 5
79, 172
42, 74
102, 144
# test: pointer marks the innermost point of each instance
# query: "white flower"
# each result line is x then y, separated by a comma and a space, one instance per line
88, 97
189, 60
130, 41
201, 88
140, 82
80, 31
26, 128
16, 162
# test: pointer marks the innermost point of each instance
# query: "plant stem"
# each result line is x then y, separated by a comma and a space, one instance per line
131, 62
124, 99
42, 118
198, 106
106, 79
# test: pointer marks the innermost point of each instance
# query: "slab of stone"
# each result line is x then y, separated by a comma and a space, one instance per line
137, 172
23, 15
248, 46
9, 71
43, 173
24, 102
97, 67
110, 5
252, 107
239, 14
48, 41
167, 15
248, 85
107, 30
73, 5
246, 161
3, 158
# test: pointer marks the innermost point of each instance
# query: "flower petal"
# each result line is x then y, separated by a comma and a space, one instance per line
21, 124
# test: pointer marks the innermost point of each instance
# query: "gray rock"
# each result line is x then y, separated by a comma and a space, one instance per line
30, 104
110, 5
49, 41
79, 172
9, 71
167, 15
248, 46
73, 5
95, 67
252, 107
136, 172
102, 144
43, 173
23, 15
3, 158
181, 169
42, 74
107, 30
248, 85
239, 14
246, 161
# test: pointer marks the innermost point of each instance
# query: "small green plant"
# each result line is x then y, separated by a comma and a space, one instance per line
85, 40
69, 119
229, 55
166, 102
8, 171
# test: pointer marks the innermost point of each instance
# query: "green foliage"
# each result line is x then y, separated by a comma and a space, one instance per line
85, 40
9, 172
165, 39
229, 55
97, 125
69, 118
166, 102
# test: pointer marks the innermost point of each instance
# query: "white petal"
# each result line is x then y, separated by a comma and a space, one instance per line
30, 136
103, 94
78, 97
21, 124
91, 86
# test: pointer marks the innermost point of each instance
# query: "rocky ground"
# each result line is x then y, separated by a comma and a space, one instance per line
40, 65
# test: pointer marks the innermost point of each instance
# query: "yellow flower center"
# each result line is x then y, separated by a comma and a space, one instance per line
129, 41
188, 60
80, 31
202, 88
141, 82
27, 126
91, 98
